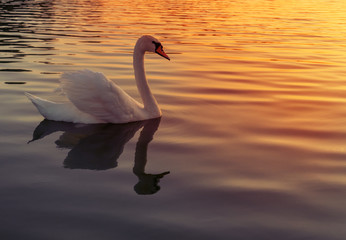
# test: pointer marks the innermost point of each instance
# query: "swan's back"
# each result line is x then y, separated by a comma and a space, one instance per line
92, 99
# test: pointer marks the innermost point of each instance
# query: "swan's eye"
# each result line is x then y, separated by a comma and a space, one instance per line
157, 45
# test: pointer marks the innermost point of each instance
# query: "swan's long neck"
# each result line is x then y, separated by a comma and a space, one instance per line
149, 101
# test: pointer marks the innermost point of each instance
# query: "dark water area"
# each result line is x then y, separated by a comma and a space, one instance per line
251, 144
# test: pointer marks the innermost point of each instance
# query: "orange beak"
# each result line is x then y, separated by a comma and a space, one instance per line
162, 53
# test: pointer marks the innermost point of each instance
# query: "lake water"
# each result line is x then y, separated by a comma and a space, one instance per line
251, 144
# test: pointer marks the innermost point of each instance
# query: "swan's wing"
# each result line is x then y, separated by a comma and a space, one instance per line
92, 93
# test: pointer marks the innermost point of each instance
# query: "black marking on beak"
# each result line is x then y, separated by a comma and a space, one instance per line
159, 50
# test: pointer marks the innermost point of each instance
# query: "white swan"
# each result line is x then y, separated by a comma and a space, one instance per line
95, 99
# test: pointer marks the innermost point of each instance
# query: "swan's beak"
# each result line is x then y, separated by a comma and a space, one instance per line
162, 53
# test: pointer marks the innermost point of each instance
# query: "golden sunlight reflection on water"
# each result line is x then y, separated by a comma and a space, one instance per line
254, 118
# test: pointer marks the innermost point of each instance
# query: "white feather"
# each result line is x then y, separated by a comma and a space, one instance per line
66, 112
92, 93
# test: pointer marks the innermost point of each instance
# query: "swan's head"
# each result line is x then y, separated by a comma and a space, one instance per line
151, 44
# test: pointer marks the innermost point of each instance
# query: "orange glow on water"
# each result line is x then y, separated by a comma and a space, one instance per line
253, 124
279, 62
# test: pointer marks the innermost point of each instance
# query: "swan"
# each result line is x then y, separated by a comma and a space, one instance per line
92, 98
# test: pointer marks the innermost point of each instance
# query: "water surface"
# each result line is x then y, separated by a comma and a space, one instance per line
251, 145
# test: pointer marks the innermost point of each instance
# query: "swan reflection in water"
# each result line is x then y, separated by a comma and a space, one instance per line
98, 147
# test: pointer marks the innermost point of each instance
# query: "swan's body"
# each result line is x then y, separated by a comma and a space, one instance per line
95, 99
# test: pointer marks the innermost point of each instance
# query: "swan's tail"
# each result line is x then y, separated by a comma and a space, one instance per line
64, 111
42, 105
